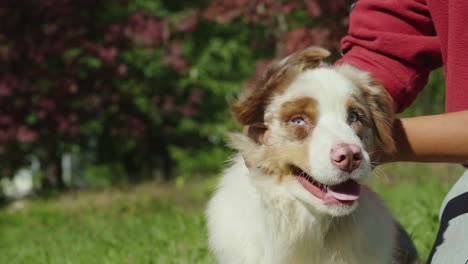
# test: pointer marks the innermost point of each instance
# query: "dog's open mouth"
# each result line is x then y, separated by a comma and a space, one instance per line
343, 193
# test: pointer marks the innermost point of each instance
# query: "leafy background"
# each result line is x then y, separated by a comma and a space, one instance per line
119, 108
140, 89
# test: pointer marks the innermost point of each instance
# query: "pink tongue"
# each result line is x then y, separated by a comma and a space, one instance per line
346, 191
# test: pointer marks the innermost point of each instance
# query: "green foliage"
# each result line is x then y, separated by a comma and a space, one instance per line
71, 53
91, 62
414, 192
146, 84
104, 175
199, 161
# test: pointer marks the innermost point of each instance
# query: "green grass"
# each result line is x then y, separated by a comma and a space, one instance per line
160, 223
143, 224
414, 192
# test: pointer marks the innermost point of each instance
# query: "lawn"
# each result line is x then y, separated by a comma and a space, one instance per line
163, 223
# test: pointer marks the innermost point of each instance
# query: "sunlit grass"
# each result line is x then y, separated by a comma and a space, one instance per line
414, 192
162, 223
143, 224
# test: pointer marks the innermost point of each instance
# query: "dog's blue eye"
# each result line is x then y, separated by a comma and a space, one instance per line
353, 117
299, 121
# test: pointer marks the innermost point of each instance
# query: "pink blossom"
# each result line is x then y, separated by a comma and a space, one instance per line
5, 120
50, 29
175, 59
187, 111
148, 30
63, 124
115, 98
289, 7
313, 8
113, 34
108, 54
25, 135
5, 90
122, 69
169, 104
189, 23
195, 96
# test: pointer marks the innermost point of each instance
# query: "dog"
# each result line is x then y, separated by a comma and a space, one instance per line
302, 199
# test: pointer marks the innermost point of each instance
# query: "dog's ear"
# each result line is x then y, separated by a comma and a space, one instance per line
249, 108
381, 106
247, 147
308, 58
259, 134
379, 102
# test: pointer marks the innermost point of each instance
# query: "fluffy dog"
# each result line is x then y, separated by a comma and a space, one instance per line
303, 198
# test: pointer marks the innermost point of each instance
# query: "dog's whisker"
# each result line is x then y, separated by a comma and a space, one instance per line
354, 219
380, 174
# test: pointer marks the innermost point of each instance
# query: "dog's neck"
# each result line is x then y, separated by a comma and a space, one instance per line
285, 215
295, 231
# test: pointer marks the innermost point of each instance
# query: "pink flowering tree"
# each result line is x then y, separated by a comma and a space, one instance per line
144, 84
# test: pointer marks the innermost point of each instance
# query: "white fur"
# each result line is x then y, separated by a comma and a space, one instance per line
255, 218
271, 226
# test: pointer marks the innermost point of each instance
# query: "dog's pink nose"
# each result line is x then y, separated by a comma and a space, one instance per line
347, 157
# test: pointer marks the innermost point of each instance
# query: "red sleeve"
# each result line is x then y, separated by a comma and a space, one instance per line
396, 42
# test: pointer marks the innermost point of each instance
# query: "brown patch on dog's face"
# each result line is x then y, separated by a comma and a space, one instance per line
292, 155
250, 107
278, 159
299, 116
273, 160
253, 100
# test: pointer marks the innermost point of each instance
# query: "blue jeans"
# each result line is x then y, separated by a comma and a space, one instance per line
451, 245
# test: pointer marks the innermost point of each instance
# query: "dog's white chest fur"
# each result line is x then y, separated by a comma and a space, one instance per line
271, 227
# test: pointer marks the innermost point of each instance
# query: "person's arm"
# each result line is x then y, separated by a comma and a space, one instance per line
435, 138
396, 42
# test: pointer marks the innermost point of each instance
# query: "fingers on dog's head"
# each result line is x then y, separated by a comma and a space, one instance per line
250, 106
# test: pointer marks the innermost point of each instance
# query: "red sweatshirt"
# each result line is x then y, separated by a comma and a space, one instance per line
401, 41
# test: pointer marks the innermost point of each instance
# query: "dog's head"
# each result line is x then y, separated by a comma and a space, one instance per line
323, 123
